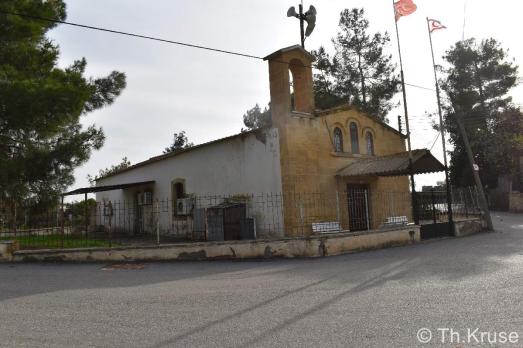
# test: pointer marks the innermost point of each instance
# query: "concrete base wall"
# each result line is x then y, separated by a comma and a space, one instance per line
516, 202
7, 248
468, 227
315, 246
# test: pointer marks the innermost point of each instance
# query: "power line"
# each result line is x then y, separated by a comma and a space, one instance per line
435, 140
147, 37
421, 87
131, 34
407, 84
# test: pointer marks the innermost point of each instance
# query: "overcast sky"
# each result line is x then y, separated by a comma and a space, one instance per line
172, 88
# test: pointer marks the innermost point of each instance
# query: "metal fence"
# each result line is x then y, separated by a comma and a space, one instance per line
433, 207
223, 217
158, 221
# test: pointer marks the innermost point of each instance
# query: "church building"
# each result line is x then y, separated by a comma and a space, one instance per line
339, 168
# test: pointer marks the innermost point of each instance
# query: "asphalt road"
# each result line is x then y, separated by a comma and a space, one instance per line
373, 299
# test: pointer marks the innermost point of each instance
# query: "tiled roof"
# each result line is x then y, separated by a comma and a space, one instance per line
93, 189
394, 165
181, 151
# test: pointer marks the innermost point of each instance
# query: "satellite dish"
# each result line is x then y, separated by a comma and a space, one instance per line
310, 18
292, 12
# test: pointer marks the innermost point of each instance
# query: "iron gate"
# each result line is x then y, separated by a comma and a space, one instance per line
432, 212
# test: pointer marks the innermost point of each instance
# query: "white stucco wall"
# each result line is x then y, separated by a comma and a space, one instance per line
246, 164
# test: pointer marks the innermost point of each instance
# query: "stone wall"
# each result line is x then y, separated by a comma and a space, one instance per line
309, 162
516, 202
309, 247
7, 248
467, 227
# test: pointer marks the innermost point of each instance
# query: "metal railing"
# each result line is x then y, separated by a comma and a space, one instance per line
433, 208
225, 217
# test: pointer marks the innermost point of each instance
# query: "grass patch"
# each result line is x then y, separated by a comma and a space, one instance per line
54, 241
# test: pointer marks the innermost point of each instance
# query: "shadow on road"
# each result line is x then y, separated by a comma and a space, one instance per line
452, 259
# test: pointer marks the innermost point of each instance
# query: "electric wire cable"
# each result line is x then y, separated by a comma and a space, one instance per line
130, 34
207, 48
435, 140
185, 44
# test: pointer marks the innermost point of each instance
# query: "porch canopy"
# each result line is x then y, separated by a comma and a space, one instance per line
94, 189
394, 165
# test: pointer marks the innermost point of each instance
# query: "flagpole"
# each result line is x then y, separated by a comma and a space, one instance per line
409, 147
442, 130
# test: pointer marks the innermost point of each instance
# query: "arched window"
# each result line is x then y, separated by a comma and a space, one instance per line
354, 140
177, 192
338, 140
369, 139
291, 86
301, 97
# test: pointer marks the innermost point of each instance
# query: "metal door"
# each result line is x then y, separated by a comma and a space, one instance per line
358, 205
215, 225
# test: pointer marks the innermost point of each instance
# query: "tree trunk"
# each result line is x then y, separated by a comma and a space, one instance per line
481, 95
363, 88
481, 193
326, 83
480, 85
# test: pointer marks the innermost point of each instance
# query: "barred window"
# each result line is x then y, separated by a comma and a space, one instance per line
177, 192
370, 143
354, 139
338, 140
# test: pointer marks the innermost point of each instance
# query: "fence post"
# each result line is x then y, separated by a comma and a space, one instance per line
465, 204
367, 208
338, 206
14, 217
433, 201
473, 199
110, 214
62, 223
158, 222
85, 214
392, 206
301, 214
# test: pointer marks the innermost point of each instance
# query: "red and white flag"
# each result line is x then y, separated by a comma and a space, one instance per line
404, 8
435, 25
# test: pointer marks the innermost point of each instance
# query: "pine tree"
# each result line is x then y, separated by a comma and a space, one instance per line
115, 168
324, 82
257, 118
41, 138
180, 142
477, 81
360, 73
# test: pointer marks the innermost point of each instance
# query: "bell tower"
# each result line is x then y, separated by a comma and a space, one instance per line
296, 62
297, 126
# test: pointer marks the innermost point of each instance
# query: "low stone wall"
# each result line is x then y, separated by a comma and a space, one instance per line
469, 227
516, 202
7, 249
339, 244
315, 246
